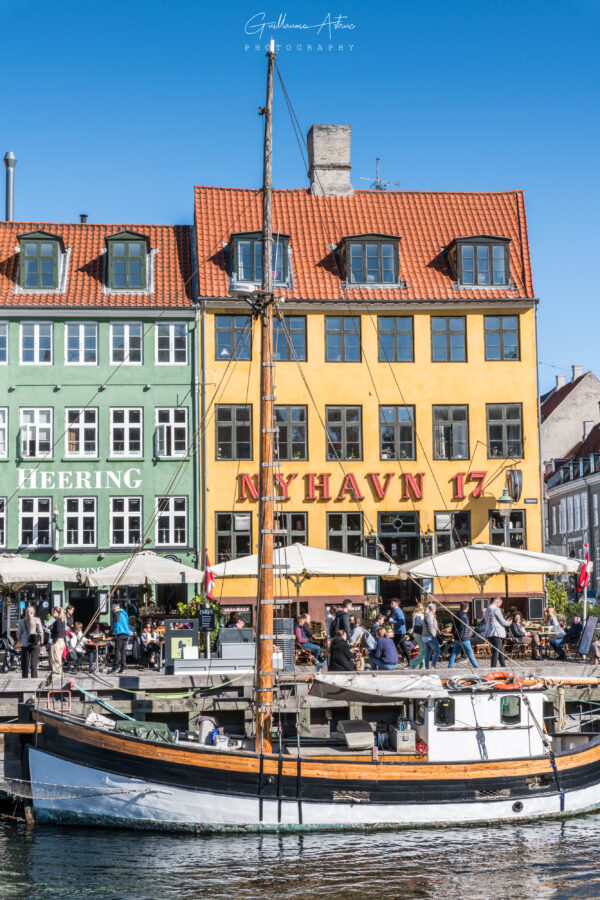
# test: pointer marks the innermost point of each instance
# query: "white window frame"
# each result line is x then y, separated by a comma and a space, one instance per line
171, 513
127, 453
554, 531
36, 344
81, 326
80, 427
171, 326
164, 433
126, 514
5, 336
3, 432
126, 361
3, 504
36, 515
562, 516
577, 513
570, 513
80, 515
584, 511
35, 426
595, 508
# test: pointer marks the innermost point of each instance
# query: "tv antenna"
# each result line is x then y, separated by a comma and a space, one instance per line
378, 184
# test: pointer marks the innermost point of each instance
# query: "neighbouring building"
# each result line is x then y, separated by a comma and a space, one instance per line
405, 375
567, 413
98, 361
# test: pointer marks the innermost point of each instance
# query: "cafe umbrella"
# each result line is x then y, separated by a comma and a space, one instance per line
16, 571
146, 567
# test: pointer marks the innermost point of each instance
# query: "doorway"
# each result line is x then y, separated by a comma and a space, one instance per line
398, 533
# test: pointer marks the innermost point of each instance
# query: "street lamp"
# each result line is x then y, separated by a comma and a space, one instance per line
505, 503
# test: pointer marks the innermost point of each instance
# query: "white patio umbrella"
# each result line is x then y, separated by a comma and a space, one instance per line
480, 561
16, 571
146, 568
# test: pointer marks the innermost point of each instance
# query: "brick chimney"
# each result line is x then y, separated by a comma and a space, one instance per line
561, 380
329, 160
577, 372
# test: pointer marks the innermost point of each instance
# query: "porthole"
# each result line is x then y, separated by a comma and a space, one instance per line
517, 807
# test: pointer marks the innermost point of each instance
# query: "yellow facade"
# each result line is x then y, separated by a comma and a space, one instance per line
369, 384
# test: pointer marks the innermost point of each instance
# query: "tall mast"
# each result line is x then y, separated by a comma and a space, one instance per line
264, 656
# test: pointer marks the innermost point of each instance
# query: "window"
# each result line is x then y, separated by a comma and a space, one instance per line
483, 263
450, 432
395, 338
234, 432
38, 262
232, 337
345, 532
504, 431
3, 343
595, 508
125, 521
81, 343
171, 343
36, 432
344, 440
290, 440
562, 516
584, 511
443, 712
126, 343
448, 339
35, 522
501, 337
247, 257
397, 432
510, 710
371, 261
234, 535
36, 343
126, 432
289, 338
171, 521
82, 432
570, 514
171, 431
80, 521
127, 262
3, 433
577, 511
452, 530
554, 523
2, 521
342, 338
294, 525
516, 529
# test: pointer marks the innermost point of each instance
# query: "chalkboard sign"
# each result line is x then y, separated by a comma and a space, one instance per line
587, 635
206, 619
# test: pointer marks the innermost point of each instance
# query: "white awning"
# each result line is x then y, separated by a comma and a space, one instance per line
299, 559
485, 559
146, 568
377, 687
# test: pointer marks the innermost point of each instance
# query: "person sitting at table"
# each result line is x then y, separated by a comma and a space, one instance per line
232, 621
378, 622
150, 645
385, 655
340, 654
303, 641
520, 636
356, 631
76, 644
551, 623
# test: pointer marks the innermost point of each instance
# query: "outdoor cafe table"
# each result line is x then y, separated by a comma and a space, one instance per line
96, 645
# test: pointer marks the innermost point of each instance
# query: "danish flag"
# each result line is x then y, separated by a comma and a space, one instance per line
584, 575
209, 579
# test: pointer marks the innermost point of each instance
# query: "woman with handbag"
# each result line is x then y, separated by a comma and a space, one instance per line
30, 635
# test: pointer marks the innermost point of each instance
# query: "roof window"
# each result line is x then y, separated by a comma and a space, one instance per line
371, 259
480, 261
39, 261
127, 261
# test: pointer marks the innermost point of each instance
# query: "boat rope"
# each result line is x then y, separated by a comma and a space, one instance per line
112, 709
196, 692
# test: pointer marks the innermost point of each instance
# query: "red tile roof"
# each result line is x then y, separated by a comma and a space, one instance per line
590, 445
426, 222
557, 396
172, 266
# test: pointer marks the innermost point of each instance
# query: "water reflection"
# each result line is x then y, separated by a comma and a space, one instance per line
551, 860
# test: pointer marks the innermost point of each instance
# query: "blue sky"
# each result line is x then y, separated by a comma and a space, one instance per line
117, 109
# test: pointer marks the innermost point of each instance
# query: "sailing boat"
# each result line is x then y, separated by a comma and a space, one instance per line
462, 751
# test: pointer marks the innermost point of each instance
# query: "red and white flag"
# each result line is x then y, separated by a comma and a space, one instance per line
209, 579
584, 575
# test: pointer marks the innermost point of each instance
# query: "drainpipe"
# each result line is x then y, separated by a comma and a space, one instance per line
197, 544
203, 434
539, 423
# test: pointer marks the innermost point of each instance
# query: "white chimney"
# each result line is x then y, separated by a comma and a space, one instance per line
587, 428
329, 160
561, 380
577, 372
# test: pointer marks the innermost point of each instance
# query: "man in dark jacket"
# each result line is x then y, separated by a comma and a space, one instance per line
572, 635
341, 621
462, 636
340, 655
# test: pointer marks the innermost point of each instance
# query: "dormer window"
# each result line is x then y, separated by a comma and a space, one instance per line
371, 259
39, 260
480, 261
248, 253
127, 262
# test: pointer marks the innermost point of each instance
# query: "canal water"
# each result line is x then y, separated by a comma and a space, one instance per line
553, 860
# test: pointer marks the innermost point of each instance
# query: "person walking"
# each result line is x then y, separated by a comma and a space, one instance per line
462, 636
417, 629
398, 622
122, 633
57, 636
30, 635
431, 631
341, 620
495, 631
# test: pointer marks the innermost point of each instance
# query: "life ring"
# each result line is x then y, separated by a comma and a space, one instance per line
504, 681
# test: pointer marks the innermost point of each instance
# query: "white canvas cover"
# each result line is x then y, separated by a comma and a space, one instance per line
15, 571
299, 559
376, 687
146, 568
486, 559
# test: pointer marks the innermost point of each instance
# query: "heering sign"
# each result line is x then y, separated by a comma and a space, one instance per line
64, 480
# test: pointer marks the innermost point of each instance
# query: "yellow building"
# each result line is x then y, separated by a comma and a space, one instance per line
405, 376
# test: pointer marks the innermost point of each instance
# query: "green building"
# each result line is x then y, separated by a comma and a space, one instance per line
98, 366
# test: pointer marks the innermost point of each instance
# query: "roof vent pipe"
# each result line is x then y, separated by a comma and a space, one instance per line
10, 161
83, 217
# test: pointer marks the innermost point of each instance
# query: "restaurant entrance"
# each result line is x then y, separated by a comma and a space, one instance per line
399, 535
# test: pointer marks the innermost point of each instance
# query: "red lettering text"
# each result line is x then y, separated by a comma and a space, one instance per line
379, 490
249, 484
349, 485
413, 484
319, 483
283, 483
